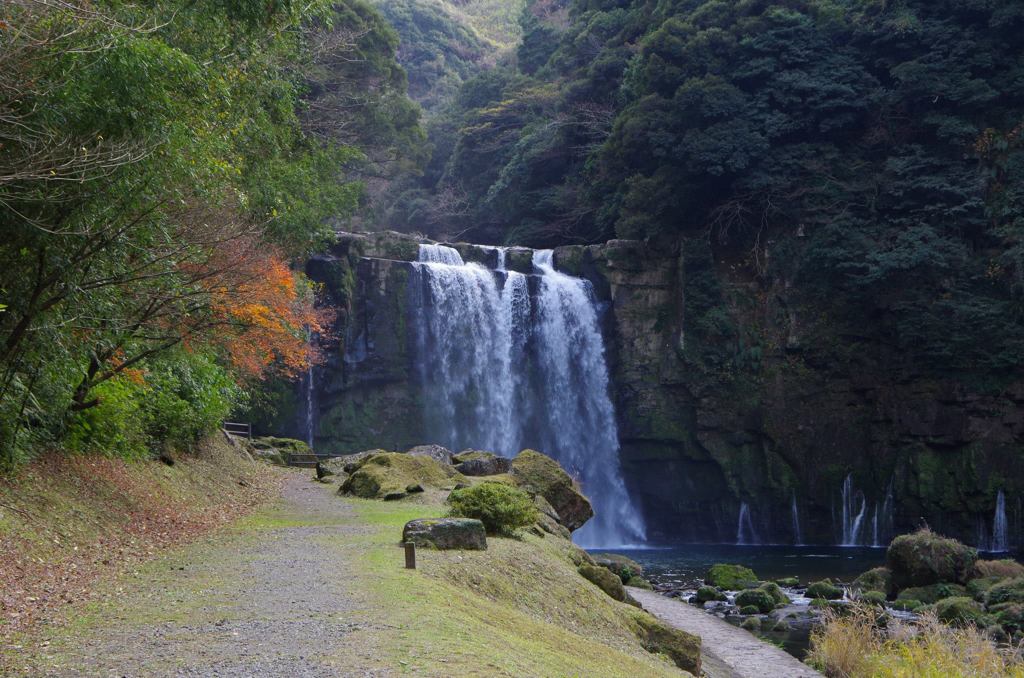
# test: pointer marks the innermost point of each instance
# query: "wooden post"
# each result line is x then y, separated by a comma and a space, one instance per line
410, 555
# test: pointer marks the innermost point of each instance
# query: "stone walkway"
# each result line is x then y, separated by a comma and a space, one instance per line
728, 651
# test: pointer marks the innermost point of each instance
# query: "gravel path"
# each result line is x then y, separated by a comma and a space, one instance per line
727, 651
269, 598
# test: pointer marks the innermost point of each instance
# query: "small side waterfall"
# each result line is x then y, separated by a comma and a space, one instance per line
798, 538
1000, 529
853, 517
746, 535
503, 370
882, 522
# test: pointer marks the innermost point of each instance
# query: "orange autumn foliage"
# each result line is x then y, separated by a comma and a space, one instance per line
266, 313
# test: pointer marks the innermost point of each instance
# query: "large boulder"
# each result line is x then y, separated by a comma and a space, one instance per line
482, 464
878, 579
446, 533
276, 450
435, 452
347, 463
679, 646
758, 598
730, 577
540, 474
924, 558
605, 580
394, 475
621, 566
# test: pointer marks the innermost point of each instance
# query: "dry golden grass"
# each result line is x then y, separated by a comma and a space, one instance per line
852, 646
1005, 568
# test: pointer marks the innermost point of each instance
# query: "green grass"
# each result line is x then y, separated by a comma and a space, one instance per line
517, 609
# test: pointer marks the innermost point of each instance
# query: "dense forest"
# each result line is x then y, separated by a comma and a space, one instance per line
869, 152
161, 166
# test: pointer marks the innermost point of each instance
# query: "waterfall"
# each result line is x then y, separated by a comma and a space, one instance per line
882, 522
503, 371
501, 258
745, 533
1000, 531
852, 517
798, 538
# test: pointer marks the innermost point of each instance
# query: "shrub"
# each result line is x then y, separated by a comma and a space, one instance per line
115, 426
824, 589
501, 508
1008, 591
730, 577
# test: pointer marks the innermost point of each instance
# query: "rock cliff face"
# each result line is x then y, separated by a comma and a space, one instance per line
729, 390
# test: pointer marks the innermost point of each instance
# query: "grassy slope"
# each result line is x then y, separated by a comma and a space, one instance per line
518, 609
66, 521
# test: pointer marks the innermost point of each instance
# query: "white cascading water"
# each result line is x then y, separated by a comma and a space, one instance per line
310, 406
798, 538
1000, 529
882, 523
853, 518
745, 533
503, 371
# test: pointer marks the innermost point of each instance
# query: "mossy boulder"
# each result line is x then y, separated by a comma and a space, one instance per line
925, 558
731, 577
775, 591
932, 594
756, 598
348, 463
878, 579
751, 624
959, 611
747, 610
706, 594
824, 589
1006, 591
390, 475
446, 533
640, 583
788, 582
540, 474
276, 450
605, 580
681, 647
625, 568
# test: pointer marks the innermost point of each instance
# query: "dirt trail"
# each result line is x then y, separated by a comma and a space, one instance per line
267, 598
728, 651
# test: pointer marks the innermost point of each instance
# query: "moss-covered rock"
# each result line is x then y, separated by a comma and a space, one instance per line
446, 533
731, 577
625, 568
878, 579
276, 450
959, 610
824, 589
538, 473
706, 594
924, 558
347, 464
389, 475
757, 598
750, 609
932, 594
1006, 591
605, 580
482, 464
751, 624
788, 582
640, 583
681, 647
775, 591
